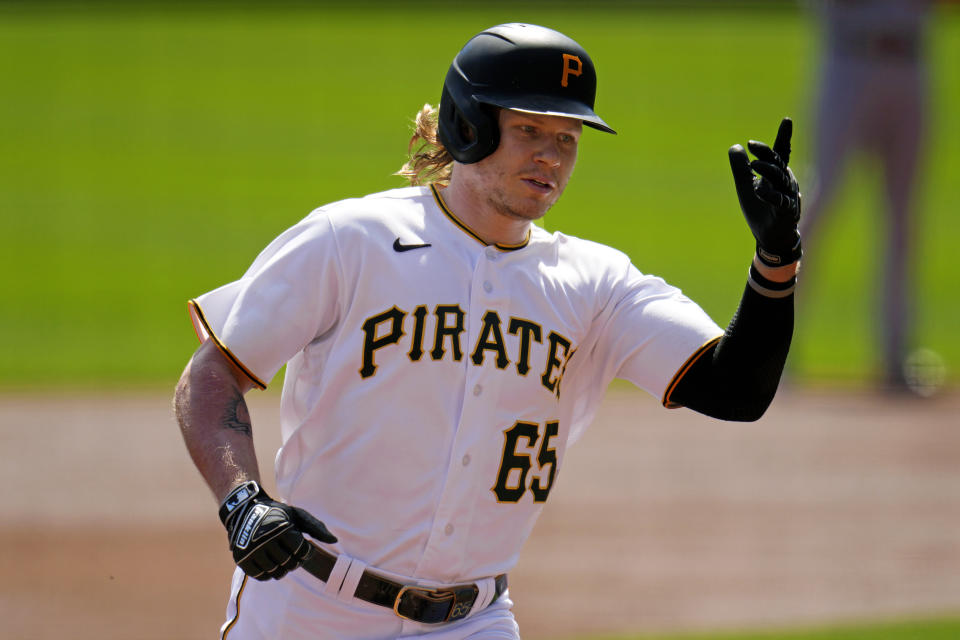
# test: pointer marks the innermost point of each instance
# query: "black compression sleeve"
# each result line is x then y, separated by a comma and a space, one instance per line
737, 378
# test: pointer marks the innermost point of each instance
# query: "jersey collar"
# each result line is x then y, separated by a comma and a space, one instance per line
470, 232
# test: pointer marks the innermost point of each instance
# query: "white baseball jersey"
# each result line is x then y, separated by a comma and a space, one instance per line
433, 382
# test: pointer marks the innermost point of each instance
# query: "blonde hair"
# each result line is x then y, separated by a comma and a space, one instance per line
428, 160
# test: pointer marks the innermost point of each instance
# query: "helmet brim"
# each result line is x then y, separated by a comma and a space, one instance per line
548, 106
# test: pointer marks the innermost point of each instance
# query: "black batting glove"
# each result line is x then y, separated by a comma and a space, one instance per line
266, 536
769, 197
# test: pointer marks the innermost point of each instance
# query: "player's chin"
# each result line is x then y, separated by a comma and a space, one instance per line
524, 205
532, 210
537, 202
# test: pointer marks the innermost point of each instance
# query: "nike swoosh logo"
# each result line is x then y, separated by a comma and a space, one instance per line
400, 248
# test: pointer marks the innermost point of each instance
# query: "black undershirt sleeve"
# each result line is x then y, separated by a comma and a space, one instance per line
737, 377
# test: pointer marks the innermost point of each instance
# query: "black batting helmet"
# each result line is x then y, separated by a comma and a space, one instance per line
523, 67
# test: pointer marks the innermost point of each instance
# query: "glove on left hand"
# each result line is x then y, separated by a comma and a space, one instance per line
771, 201
266, 536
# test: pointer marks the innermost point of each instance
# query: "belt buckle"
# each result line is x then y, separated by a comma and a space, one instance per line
431, 595
461, 601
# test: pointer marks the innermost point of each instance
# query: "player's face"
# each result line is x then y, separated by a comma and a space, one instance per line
531, 167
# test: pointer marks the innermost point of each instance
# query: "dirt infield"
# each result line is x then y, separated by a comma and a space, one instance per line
833, 507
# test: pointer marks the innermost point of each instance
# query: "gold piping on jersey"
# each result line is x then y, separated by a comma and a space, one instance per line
683, 370
197, 313
471, 232
226, 629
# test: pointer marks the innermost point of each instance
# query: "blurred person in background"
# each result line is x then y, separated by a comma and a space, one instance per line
872, 100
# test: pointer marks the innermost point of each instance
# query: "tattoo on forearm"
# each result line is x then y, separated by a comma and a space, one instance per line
237, 417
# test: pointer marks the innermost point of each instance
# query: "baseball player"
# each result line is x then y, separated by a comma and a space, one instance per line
872, 100
443, 353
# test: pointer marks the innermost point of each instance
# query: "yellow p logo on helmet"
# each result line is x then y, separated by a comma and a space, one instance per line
569, 69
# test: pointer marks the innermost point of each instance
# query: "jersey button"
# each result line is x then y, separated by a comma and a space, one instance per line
477, 389
448, 529
492, 254
487, 286
466, 460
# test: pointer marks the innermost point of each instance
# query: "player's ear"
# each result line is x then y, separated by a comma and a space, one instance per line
466, 133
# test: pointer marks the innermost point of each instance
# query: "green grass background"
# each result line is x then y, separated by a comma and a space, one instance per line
148, 154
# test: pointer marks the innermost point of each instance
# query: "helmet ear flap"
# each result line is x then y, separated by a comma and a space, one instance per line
467, 129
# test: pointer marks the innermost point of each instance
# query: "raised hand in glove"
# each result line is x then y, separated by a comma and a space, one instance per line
769, 197
266, 536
